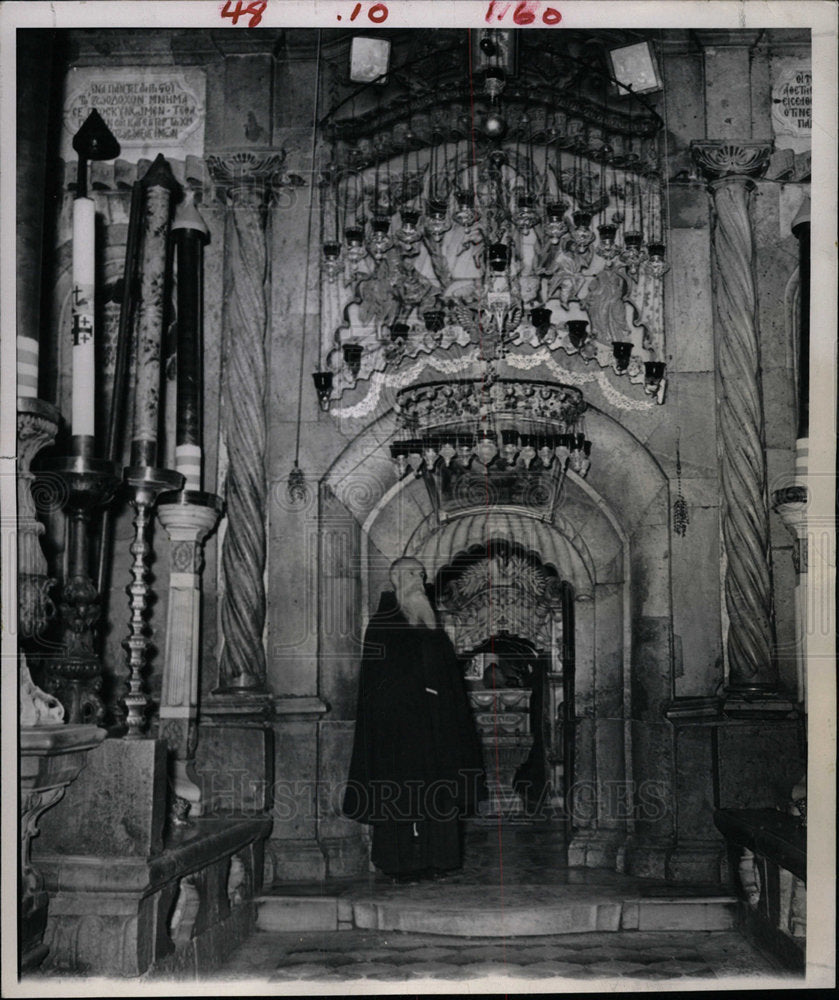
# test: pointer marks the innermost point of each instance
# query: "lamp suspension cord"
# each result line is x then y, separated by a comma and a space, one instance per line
308, 251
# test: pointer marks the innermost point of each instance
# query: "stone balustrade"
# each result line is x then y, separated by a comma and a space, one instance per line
768, 850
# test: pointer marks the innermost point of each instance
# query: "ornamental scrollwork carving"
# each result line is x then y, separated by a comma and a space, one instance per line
722, 159
250, 176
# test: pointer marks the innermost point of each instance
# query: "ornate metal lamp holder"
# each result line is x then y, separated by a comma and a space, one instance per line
76, 675
145, 484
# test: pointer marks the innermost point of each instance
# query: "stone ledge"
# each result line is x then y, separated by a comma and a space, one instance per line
196, 847
479, 918
122, 916
768, 832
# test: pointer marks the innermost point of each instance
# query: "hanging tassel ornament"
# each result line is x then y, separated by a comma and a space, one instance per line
681, 519
296, 485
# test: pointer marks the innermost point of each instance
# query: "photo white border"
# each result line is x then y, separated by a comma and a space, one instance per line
821, 17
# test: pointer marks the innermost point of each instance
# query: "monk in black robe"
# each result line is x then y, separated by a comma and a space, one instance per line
416, 768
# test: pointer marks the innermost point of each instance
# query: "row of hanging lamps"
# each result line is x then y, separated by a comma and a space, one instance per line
461, 450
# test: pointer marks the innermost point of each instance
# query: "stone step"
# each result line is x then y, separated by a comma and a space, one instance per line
491, 913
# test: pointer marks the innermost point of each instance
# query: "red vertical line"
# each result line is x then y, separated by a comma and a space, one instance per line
486, 483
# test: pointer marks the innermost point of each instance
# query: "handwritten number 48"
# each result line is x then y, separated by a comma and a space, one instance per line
254, 10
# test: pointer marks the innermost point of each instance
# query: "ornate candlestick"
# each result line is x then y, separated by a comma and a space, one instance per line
76, 674
188, 516
145, 485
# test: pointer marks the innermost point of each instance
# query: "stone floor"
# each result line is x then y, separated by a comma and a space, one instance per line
312, 934
347, 956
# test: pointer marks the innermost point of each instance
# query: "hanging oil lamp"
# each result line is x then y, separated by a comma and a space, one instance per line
525, 217
331, 261
356, 251
582, 236
352, 358
622, 351
430, 454
509, 445
606, 247
409, 235
555, 225
655, 263
379, 242
437, 219
499, 256
577, 332
323, 387
653, 375
632, 255
540, 317
464, 215
399, 454
435, 320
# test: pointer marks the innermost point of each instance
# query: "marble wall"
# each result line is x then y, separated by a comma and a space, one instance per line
656, 628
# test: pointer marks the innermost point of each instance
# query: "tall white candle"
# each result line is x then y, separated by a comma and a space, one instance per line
84, 384
27, 367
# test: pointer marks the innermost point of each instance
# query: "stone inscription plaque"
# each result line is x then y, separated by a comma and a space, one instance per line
149, 110
792, 102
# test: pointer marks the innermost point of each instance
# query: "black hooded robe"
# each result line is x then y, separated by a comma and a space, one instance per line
416, 766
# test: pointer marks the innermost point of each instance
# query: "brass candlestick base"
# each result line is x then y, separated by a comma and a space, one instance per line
75, 677
145, 484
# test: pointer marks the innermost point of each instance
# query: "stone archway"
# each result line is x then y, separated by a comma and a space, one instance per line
610, 537
507, 614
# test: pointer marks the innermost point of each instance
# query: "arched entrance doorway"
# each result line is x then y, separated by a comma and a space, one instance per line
607, 539
510, 617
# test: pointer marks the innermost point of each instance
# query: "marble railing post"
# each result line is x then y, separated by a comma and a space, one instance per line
729, 168
188, 517
248, 180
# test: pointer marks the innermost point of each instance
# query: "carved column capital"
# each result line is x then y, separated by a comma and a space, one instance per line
248, 177
723, 159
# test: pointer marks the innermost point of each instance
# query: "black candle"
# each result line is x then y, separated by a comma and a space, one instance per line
190, 234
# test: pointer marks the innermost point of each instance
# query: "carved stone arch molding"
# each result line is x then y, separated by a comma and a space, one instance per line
610, 534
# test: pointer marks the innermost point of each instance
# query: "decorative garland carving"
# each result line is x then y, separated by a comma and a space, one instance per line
441, 404
507, 592
745, 514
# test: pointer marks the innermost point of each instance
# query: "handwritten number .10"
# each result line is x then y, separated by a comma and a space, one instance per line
377, 13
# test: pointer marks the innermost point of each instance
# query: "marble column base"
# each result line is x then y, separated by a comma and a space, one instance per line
51, 757
595, 849
294, 861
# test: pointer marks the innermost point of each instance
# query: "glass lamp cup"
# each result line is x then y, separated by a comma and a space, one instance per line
323, 387
577, 332
499, 256
331, 262
352, 357
622, 351
435, 320
465, 212
354, 235
540, 317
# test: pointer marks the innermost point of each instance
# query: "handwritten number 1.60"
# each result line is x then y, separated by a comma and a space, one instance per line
523, 14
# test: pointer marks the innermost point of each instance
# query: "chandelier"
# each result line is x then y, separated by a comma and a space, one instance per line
476, 441
522, 222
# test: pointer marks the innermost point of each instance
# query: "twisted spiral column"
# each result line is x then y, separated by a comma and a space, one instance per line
248, 181
729, 168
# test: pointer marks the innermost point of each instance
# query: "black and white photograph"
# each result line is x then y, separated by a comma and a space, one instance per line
418, 485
